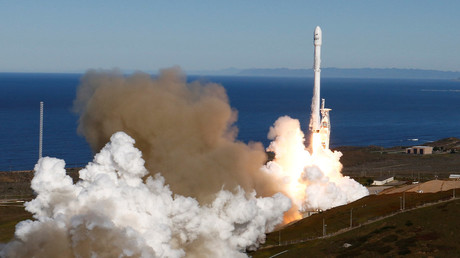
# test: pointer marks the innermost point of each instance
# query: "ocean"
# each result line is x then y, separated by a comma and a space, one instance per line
383, 112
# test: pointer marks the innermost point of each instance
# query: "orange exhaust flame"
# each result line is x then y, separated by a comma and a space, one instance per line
292, 214
312, 180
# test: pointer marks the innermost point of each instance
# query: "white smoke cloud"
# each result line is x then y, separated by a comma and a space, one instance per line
186, 131
112, 212
312, 180
119, 209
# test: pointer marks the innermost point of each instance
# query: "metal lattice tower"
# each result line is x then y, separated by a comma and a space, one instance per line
40, 139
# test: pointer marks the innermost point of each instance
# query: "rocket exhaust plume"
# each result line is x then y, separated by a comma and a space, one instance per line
184, 131
312, 179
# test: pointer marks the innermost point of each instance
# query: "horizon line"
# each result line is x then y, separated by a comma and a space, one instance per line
191, 71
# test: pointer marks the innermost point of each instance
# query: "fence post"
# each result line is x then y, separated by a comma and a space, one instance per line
324, 228
404, 201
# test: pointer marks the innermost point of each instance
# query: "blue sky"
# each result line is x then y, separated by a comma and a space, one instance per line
73, 36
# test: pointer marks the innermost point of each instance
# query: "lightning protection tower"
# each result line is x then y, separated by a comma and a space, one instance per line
40, 137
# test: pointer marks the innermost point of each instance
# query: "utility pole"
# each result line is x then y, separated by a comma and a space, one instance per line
351, 218
404, 201
279, 237
400, 203
324, 228
453, 196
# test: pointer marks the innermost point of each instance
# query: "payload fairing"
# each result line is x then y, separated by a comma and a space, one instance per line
319, 125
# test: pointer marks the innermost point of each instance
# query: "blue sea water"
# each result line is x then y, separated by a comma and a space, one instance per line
384, 112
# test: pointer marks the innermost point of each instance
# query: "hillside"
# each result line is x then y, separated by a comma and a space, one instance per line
415, 232
412, 232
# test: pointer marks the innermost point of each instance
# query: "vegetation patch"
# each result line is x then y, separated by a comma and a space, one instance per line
428, 236
383, 229
406, 242
390, 238
377, 247
443, 247
409, 233
404, 252
350, 253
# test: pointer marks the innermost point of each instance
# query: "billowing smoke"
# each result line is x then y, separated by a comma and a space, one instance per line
184, 130
112, 212
122, 207
312, 180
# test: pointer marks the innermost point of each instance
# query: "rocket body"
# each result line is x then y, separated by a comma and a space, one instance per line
315, 104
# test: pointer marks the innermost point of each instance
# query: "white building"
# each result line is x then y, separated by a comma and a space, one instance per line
422, 150
454, 176
383, 180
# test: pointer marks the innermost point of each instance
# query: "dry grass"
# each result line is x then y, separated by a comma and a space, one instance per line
415, 232
10, 215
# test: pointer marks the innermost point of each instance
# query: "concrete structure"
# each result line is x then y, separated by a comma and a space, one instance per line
422, 150
383, 180
454, 176
378, 188
432, 186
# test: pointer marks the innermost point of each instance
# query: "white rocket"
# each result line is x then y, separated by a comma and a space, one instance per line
315, 117
318, 125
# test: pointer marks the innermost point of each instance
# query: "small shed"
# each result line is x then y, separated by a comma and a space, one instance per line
422, 150
383, 180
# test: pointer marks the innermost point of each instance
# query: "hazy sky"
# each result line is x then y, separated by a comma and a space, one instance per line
72, 36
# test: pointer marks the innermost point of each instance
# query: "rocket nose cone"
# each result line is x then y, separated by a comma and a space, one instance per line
317, 36
317, 30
